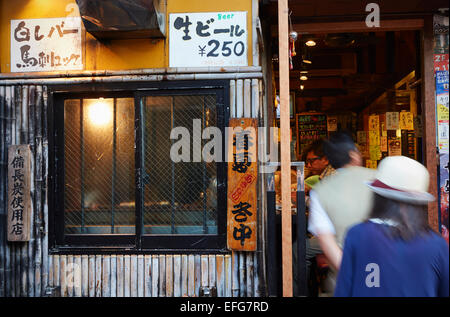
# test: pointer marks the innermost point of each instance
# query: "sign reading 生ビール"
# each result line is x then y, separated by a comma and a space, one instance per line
46, 44
208, 39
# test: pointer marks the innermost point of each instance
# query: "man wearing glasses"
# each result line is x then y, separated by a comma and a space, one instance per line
316, 162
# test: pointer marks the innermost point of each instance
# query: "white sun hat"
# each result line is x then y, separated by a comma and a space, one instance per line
402, 178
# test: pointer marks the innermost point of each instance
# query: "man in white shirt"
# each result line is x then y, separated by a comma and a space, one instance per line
341, 200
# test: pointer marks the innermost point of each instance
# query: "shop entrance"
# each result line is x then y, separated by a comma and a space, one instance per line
373, 83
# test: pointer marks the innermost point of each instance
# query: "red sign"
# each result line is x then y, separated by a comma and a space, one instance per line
440, 62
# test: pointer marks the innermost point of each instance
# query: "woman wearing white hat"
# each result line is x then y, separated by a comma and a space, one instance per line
395, 253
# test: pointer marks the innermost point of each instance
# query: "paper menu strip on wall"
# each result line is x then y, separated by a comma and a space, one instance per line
371, 164
392, 120
406, 121
394, 146
332, 123
374, 138
361, 137
383, 144
374, 123
374, 152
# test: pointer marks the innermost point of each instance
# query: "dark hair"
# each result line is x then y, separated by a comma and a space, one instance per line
316, 147
337, 149
411, 219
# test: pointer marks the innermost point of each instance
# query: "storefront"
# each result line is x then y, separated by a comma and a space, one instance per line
365, 68
110, 182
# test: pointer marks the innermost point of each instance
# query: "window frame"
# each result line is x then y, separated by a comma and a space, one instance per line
59, 242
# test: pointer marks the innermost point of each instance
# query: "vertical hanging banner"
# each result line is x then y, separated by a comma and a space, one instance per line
440, 27
442, 109
46, 44
208, 39
19, 200
443, 143
242, 180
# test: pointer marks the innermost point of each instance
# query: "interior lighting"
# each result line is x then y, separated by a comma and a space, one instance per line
100, 113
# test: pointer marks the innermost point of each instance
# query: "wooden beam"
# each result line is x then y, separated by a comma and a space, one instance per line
429, 118
286, 225
355, 26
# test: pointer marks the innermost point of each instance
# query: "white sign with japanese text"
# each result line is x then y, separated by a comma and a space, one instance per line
208, 39
46, 44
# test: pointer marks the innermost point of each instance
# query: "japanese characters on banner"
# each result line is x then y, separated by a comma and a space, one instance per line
444, 194
19, 201
441, 72
442, 109
443, 142
208, 39
242, 191
46, 44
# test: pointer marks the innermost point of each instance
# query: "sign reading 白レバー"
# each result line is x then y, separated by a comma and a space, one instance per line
208, 39
46, 44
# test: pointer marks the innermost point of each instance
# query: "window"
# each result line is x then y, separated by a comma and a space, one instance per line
115, 183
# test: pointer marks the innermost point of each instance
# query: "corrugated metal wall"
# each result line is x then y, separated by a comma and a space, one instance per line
27, 269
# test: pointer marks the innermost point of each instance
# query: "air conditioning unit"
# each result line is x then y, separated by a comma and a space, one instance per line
123, 19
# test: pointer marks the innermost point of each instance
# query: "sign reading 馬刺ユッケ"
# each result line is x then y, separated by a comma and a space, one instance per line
208, 39
46, 44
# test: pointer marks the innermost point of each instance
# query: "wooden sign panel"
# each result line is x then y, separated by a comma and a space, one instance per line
242, 180
19, 201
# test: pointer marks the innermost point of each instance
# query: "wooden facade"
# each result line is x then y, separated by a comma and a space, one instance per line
30, 269
33, 269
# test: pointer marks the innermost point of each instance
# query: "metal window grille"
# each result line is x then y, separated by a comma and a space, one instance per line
179, 198
99, 167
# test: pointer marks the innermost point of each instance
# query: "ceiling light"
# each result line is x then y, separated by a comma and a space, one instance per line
306, 56
302, 87
303, 77
310, 43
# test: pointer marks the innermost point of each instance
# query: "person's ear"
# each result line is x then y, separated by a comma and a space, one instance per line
355, 158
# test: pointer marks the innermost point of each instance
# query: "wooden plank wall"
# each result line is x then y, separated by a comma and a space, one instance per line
27, 269
152, 275
24, 266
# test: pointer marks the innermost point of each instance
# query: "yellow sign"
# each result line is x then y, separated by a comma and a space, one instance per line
406, 121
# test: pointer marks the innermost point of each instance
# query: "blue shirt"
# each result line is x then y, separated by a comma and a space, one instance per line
373, 264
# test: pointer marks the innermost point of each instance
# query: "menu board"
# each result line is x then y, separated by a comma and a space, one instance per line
310, 127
